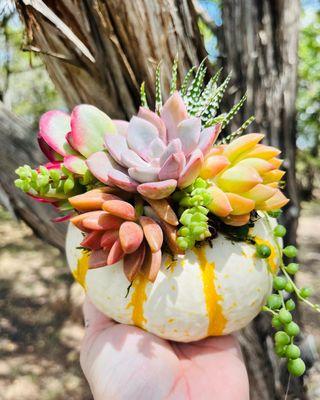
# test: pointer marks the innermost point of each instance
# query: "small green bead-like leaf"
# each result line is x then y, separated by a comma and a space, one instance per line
18, 183
68, 185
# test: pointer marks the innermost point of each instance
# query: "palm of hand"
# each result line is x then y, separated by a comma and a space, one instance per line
124, 362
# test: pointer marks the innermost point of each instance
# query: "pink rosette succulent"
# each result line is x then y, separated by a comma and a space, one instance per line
154, 153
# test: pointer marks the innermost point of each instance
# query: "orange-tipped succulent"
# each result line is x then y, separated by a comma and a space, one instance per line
114, 231
244, 175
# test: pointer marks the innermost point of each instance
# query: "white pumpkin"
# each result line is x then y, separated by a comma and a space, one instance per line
208, 291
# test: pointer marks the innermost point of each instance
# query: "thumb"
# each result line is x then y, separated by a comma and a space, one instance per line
94, 320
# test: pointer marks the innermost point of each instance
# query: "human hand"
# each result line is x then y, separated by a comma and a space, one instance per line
126, 363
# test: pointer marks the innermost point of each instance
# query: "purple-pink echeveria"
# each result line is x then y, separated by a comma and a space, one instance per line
154, 154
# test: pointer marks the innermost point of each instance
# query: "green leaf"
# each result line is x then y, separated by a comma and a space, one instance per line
158, 89
214, 102
192, 96
234, 111
186, 80
174, 74
143, 96
239, 131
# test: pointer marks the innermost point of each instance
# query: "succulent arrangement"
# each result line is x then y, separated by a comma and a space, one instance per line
165, 183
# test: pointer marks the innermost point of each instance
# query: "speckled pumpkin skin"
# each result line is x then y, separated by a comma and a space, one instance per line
208, 291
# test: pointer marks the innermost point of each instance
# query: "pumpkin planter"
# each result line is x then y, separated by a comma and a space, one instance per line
208, 291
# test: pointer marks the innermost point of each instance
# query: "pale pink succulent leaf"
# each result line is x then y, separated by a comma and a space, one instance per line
116, 145
192, 169
156, 148
100, 164
173, 147
75, 164
122, 181
157, 190
142, 174
172, 168
208, 138
53, 128
152, 117
172, 113
89, 125
189, 134
140, 135
121, 126
131, 159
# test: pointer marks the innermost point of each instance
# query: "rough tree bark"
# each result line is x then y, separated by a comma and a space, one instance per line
17, 150
258, 43
127, 39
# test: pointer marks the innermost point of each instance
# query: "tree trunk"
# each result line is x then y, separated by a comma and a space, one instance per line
16, 150
258, 42
127, 40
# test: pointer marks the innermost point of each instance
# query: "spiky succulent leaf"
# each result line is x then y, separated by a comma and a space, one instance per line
206, 95
192, 96
234, 135
174, 74
186, 80
158, 89
143, 96
210, 112
234, 111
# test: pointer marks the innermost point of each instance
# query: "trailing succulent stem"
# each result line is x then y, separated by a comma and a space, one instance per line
280, 305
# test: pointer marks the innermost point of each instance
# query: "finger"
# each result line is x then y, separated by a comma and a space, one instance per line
94, 319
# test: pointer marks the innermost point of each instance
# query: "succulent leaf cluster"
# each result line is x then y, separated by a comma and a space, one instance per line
166, 158
116, 230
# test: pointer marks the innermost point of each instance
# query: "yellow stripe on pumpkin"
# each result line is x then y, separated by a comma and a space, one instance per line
216, 318
138, 299
80, 272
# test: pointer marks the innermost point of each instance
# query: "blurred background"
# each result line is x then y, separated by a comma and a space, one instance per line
58, 54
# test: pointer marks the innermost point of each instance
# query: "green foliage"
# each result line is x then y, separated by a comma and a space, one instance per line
143, 97
308, 103
193, 202
25, 86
